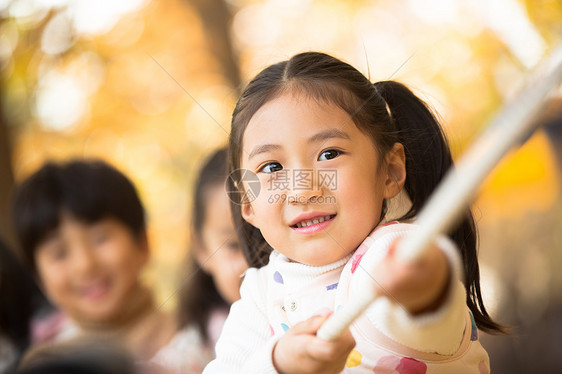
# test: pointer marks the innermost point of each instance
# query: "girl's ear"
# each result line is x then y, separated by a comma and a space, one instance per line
395, 171
248, 213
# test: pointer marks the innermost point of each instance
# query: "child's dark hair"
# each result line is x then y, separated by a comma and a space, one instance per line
200, 297
89, 190
20, 298
388, 112
80, 355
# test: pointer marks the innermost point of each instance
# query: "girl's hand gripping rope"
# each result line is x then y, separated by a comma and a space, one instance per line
419, 285
301, 351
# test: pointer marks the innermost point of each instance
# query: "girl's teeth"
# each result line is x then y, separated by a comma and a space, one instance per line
312, 222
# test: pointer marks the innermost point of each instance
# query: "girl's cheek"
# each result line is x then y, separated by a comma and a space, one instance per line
54, 281
49, 271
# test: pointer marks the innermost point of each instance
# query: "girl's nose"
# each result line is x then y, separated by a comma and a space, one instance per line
305, 197
305, 190
83, 259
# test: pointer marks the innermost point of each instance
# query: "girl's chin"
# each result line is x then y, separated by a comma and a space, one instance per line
100, 314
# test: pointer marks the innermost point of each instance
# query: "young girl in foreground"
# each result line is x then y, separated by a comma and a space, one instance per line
330, 149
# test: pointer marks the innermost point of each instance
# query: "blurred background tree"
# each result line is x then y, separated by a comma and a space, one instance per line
149, 86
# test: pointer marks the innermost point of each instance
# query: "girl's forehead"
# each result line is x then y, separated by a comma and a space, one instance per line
294, 107
319, 97
280, 115
296, 120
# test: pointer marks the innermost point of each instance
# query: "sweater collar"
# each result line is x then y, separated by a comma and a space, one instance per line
297, 274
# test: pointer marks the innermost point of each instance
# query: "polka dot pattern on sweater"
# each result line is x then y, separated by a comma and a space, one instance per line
355, 261
277, 277
354, 359
397, 365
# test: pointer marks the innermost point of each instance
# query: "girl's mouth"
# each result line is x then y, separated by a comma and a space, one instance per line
314, 221
313, 225
96, 291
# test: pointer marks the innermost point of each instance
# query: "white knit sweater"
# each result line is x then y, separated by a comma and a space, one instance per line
283, 293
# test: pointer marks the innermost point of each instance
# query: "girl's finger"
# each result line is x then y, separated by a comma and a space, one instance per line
325, 350
309, 326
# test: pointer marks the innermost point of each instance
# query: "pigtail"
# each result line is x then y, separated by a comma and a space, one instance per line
428, 158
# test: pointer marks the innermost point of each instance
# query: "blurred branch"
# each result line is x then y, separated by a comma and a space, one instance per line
216, 19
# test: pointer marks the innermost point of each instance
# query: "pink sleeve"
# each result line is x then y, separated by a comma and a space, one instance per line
440, 331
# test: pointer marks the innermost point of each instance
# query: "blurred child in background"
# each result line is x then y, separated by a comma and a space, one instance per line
216, 259
82, 230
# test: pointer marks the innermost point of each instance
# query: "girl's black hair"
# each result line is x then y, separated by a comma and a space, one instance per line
388, 112
81, 355
20, 298
200, 297
89, 190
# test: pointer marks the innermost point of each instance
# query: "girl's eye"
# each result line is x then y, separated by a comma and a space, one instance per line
100, 238
271, 167
54, 248
233, 246
329, 154
99, 235
58, 252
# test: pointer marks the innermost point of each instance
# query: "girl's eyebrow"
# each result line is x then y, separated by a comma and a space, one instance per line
263, 148
328, 134
316, 138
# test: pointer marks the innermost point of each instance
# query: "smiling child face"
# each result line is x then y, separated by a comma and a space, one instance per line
317, 223
91, 270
